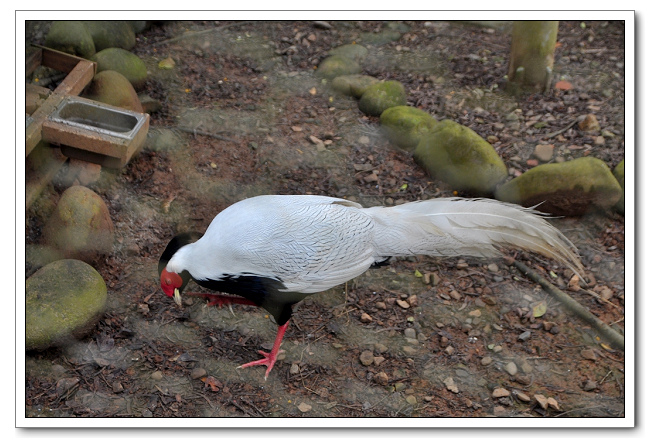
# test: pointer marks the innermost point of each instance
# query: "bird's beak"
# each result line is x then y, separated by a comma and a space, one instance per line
177, 297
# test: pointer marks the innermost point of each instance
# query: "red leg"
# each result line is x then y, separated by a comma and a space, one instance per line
221, 299
269, 358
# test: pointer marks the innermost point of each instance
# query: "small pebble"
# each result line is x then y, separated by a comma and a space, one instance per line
541, 400
486, 361
381, 378
543, 153
552, 403
492, 267
411, 400
451, 385
521, 396
449, 350
295, 369
475, 313
197, 373
365, 318
380, 348
410, 350
403, 304
524, 336
588, 354
526, 367
157, 375
511, 368
500, 392
410, 333
366, 358
590, 385
378, 360
304, 407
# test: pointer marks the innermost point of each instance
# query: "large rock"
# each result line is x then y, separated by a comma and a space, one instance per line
62, 300
111, 33
567, 189
405, 125
380, 38
379, 97
111, 87
353, 85
334, 66
72, 37
138, 26
460, 157
81, 226
619, 174
123, 62
355, 52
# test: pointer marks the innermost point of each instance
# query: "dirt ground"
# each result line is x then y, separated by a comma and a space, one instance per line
239, 111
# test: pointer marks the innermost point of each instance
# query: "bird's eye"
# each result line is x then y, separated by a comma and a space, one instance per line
168, 281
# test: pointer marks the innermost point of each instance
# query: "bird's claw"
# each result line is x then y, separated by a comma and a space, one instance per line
267, 360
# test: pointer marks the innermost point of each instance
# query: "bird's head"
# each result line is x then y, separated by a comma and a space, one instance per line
173, 283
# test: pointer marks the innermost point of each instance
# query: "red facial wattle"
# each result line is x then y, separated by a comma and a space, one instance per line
169, 282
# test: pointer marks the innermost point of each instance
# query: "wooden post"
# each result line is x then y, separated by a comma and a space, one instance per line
532, 55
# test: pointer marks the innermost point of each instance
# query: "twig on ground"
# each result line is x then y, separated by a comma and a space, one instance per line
613, 336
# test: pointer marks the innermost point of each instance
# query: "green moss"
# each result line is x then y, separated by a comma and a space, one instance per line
62, 299
619, 174
567, 188
379, 97
457, 155
334, 66
353, 85
123, 62
111, 33
405, 125
72, 37
355, 52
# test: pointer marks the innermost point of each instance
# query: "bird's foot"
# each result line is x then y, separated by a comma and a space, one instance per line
267, 360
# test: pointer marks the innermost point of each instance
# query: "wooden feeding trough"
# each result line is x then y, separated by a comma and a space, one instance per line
67, 125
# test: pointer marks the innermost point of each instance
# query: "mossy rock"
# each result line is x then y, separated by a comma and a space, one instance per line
111, 87
381, 96
381, 38
460, 157
111, 34
571, 188
123, 62
355, 52
72, 37
353, 85
619, 174
81, 225
405, 125
334, 66
62, 300
138, 26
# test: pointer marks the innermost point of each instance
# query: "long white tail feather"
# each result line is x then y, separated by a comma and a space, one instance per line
477, 227
313, 243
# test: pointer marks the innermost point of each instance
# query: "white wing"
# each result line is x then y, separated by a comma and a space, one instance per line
310, 243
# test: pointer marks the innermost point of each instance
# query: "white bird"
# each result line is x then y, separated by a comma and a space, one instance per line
273, 251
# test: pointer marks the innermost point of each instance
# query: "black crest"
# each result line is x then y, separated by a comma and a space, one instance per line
180, 240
